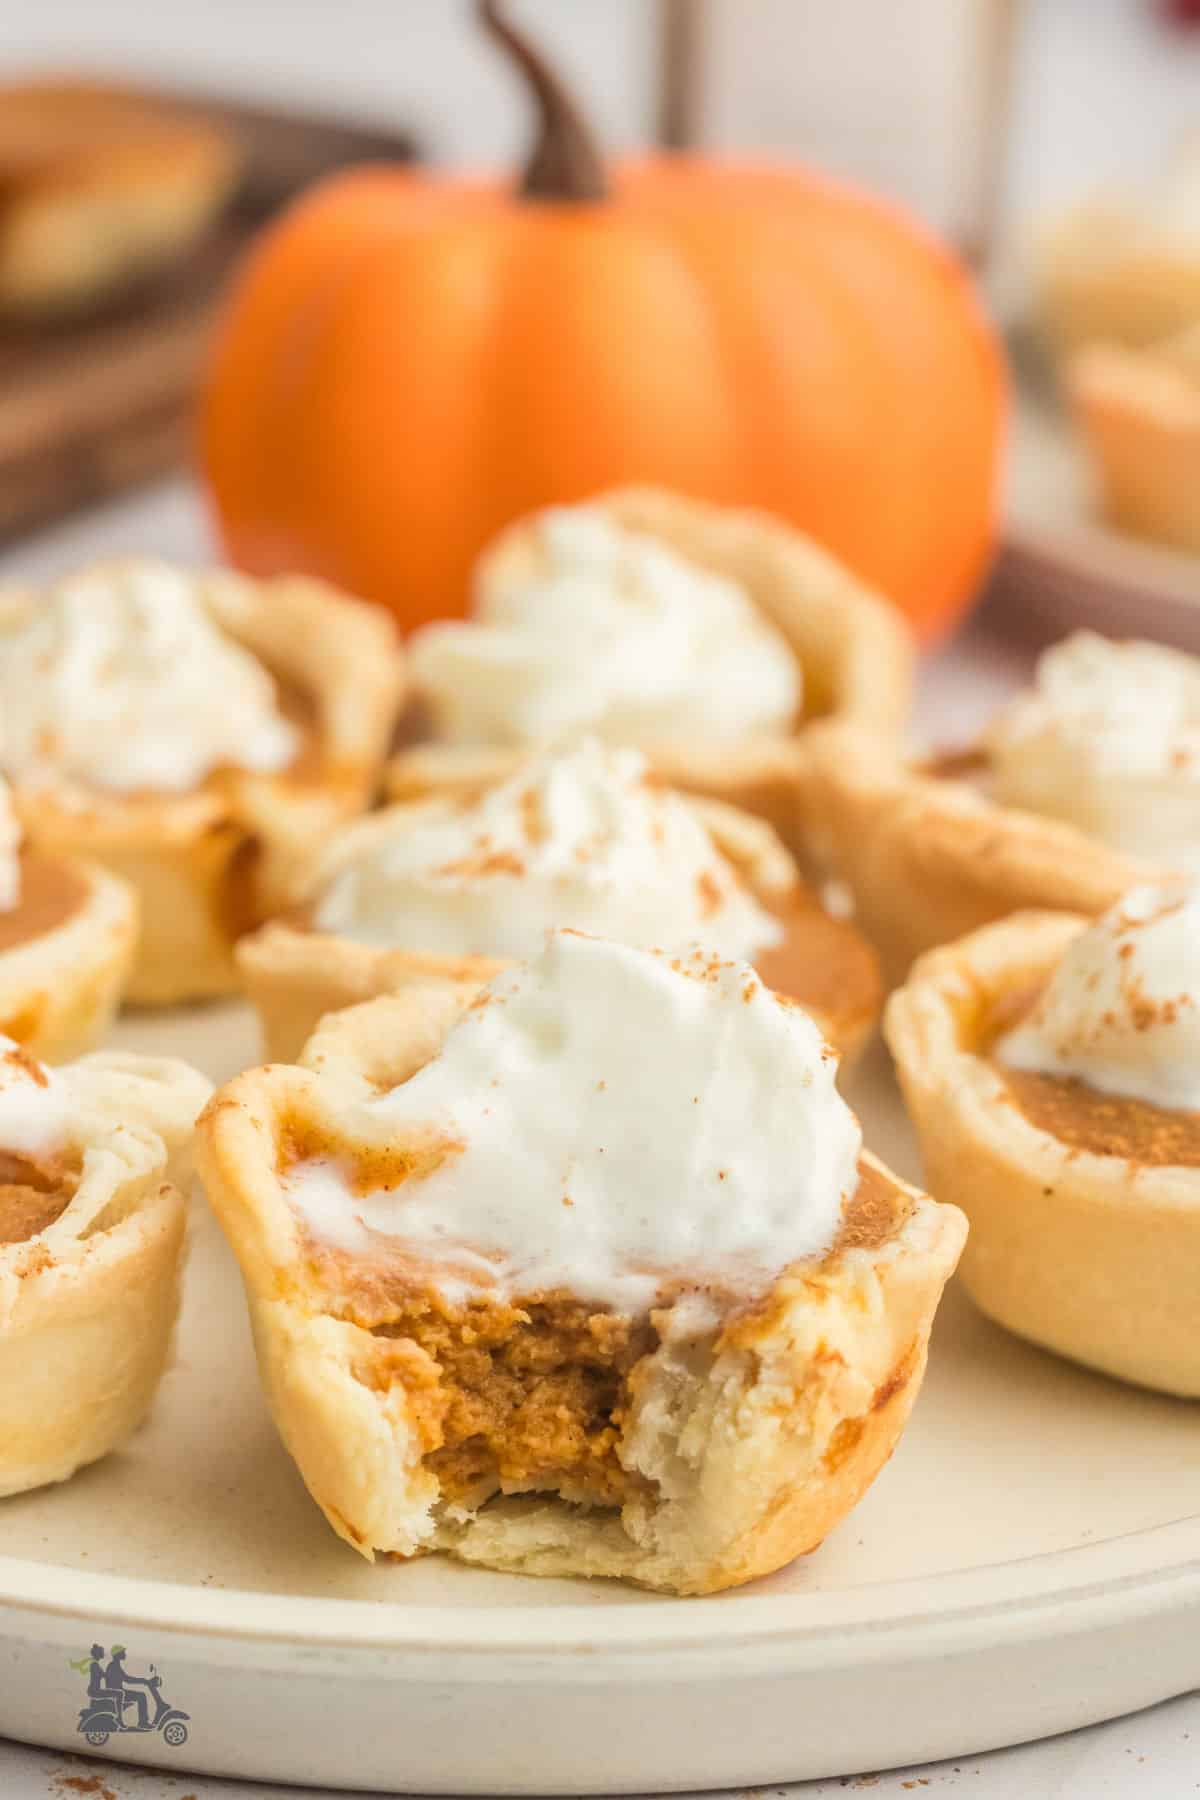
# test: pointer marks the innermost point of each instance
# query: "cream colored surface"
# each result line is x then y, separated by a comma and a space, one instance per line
59, 991
209, 863
928, 859
740, 1487
87, 1306
1087, 1254
295, 976
853, 649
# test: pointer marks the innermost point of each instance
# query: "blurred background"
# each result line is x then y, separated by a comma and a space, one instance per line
894, 96
990, 119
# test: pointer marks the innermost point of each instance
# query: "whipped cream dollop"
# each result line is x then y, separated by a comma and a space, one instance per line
1122, 1010
119, 678
578, 838
10, 850
606, 1120
608, 632
34, 1104
1108, 739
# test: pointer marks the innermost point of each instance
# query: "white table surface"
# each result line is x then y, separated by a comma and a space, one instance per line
1156, 1753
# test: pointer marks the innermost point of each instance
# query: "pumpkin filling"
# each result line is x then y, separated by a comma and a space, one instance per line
34, 1192
531, 1394
51, 892
1087, 1118
519, 1396
825, 964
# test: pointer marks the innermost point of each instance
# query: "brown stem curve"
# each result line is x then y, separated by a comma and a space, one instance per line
566, 163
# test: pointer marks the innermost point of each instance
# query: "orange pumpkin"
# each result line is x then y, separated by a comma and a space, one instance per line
408, 362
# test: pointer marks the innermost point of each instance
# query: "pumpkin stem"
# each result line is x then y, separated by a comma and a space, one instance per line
566, 163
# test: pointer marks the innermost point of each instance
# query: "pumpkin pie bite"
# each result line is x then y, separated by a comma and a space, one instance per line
68, 931
1052, 1068
707, 637
192, 733
1083, 786
92, 1158
587, 1274
450, 886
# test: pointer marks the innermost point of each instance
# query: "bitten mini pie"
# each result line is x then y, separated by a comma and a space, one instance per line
589, 1278
444, 887
68, 931
195, 734
1052, 1069
1139, 411
92, 1156
705, 636
1082, 787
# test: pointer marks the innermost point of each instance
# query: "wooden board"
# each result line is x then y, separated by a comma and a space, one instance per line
91, 408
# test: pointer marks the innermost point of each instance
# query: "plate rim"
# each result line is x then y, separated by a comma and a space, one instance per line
1140, 1573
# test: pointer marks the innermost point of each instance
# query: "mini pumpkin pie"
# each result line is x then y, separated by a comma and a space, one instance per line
586, 1275
1124, 269
704, 636
68, 931
444, 886
1052, 1069
1083, 786
92, 1157
194, 734
1139, 412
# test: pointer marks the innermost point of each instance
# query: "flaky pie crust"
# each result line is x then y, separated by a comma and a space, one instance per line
213, 863
928, 859
88, 1305
294, 976
60, 988
771, 1433
1092, 1255
854, 650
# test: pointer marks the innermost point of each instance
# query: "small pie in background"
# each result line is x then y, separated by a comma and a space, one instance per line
1138, 411
93, 1158
586, 837
100, 187
68, 935
585, 1273
704, 636
195, 734
1081, 787
1052, 1069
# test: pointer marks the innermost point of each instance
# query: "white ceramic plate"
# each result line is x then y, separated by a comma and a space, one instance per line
1060, 566
1029, 1562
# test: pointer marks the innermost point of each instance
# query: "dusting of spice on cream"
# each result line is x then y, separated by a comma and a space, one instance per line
693, 1122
